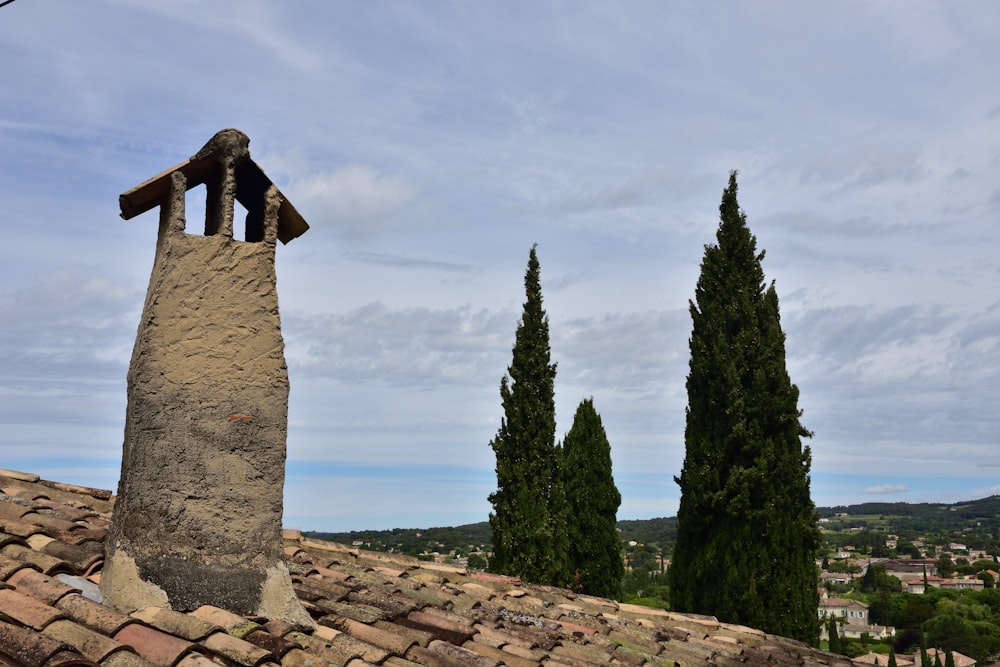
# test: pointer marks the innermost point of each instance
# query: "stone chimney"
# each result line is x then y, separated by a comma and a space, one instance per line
198, 514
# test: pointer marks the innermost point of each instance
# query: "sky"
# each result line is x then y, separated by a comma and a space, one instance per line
429, 146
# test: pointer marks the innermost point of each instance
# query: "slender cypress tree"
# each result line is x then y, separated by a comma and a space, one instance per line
595, 548
528, 518
833, 633
746, 536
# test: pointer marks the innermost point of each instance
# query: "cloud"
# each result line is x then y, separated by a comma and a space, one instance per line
399, 262
886, 489
410, 347
986, 491
640, 352
356, 200
864, 167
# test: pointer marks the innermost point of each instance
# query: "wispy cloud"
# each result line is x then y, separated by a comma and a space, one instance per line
886, 489
399, 262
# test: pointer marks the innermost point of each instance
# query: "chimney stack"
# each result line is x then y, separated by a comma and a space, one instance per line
198, 514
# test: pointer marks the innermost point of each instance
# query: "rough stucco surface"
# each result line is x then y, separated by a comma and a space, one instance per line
200, 497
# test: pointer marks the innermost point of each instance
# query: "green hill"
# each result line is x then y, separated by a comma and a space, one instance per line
979, 518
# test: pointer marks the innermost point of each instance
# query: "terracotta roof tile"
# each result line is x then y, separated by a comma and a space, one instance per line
324, 648
14, 509
92, 614
29, 648
26, 610
239, 651
418, 636
97, 494
391, 603
441, 627
319, 589
394, 642
297, 657
196, 660
44, 562
40, 586
327, 573
126, 659
234, 624
399, 662
185, 626
577, 628
444, 654
581, 655
497, 655
80, 556
358, 612
65, 511
154, 645
50, 521
358, 648
19, 528
485, 636
533, 654
90, 644
275, 644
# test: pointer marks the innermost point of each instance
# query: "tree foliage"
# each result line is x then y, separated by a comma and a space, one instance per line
595, 548
746, 522
833, 636
528, 518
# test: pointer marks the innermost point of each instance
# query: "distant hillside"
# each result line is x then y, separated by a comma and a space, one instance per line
981, 516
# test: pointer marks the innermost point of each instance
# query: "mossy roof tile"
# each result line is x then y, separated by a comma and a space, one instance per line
92, 645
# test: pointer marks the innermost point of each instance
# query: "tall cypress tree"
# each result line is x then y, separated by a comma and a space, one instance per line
833, 634
746, 535
595, 548
528, 518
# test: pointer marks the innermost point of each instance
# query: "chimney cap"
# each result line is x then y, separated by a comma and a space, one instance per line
228, 144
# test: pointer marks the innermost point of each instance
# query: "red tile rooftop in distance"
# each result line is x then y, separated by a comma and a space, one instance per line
389, 610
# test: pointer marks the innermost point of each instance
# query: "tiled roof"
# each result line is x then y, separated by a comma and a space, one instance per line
370, 608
